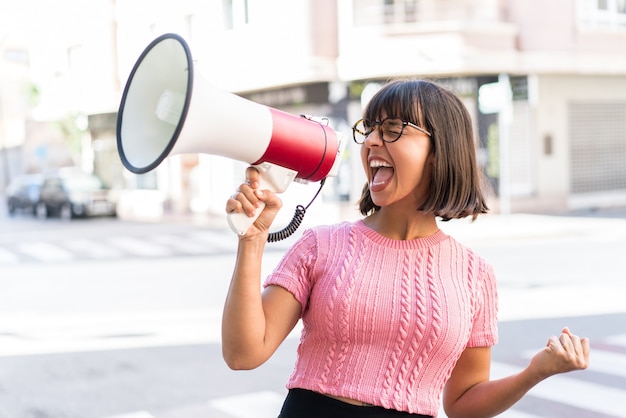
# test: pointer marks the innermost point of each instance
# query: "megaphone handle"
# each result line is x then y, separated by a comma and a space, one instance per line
271, 177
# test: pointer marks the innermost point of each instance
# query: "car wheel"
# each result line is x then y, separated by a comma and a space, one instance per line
65, 213
41, 210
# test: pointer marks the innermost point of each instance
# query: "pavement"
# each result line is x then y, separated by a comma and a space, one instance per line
517, 244
551, 266
535, 226
496, 226
574, 257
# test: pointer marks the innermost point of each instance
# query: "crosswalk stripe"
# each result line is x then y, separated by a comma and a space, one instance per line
607, 362
180, 243
512, 413
7, 257
158, 245
509, 413
265, 404
216, 240
140, 414
138, 246
619, 340
45, 251
34, 334
571, 391
91, 248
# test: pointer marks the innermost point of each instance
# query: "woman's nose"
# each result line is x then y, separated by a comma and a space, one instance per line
374, 138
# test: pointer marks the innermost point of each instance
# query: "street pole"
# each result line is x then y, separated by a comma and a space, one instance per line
505, 119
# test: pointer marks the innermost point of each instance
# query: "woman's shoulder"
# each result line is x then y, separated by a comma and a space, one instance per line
324, 234
467, 252
325, 229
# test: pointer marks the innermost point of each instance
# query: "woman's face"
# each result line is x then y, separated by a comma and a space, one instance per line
398, 171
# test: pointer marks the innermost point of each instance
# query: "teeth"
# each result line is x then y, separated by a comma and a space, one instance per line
379, 163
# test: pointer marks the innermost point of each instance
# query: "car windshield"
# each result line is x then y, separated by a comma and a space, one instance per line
83, 183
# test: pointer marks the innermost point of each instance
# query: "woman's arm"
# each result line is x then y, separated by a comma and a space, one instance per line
254, 324
469, 393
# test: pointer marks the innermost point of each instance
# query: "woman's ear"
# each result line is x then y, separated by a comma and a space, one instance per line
430, 160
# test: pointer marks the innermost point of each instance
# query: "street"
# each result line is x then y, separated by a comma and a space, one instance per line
109, 318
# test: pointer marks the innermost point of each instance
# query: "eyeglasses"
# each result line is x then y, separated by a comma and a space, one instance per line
391, 129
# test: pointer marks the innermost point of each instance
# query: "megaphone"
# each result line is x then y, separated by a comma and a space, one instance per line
159, 116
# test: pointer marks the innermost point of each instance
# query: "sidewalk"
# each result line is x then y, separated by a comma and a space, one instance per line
521, 226
551, 266
515, 226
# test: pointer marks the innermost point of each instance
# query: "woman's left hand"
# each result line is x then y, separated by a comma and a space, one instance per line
565, 353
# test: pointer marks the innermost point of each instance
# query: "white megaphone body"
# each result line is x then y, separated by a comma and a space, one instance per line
159, 116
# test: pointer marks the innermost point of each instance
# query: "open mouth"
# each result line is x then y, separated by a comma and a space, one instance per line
382, 172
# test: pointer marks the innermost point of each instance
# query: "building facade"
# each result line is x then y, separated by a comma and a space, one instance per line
559, 142
565, 61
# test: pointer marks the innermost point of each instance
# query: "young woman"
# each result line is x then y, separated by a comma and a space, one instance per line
395, 312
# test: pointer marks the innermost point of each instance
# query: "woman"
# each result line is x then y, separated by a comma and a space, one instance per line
394, 311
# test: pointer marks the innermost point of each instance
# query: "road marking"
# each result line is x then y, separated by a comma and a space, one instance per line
139, 246
218, 241
619, 340
44, 334
180, 244
140, 414
7, 257
91, 248
607, 362
511, 413
583, 299
265, 404
571, 391
45, 251
159, 245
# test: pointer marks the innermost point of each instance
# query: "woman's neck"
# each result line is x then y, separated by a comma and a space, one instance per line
402, 226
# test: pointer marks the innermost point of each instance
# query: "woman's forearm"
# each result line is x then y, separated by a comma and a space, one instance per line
243, 321
490, 398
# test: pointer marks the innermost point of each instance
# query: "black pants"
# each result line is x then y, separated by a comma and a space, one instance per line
302, 403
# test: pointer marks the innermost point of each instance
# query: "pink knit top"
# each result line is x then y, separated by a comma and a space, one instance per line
385, 320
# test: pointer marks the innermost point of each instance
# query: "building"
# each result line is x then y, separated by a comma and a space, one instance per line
557, 143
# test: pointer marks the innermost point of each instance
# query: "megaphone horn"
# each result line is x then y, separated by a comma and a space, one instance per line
159, 116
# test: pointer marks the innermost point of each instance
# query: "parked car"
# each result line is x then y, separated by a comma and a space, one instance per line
22, 194
70, 193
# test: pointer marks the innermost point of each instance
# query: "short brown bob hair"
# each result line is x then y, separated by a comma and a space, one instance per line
457, 187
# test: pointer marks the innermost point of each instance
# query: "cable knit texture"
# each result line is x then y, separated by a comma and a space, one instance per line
385, 320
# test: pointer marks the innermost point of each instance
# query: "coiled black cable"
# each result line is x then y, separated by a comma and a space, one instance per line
287, 231
295, 222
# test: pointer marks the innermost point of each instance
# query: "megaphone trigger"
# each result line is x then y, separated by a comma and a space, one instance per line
271, 177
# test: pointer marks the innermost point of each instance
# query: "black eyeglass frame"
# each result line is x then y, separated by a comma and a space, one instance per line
379, 123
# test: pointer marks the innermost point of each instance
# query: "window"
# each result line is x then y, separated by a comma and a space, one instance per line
235, 13
602, 13
403, 12
400, 11
367, 12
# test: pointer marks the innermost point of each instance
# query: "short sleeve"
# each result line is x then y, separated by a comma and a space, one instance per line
485, 324
294, 271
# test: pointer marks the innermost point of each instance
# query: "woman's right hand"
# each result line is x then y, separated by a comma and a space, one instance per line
248, 198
